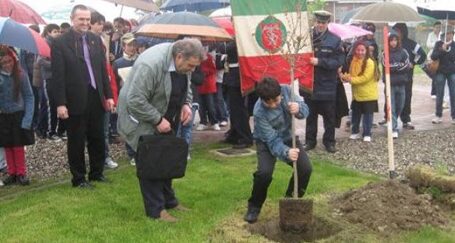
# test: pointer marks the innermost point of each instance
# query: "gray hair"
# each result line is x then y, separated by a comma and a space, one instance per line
189, 47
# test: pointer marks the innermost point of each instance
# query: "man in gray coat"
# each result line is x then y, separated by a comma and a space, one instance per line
154, 99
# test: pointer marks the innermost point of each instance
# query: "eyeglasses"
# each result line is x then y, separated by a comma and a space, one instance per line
321, 22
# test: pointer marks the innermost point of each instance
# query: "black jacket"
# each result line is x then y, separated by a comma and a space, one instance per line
446, 58
328, 49
70, 74
416, 53
399, 66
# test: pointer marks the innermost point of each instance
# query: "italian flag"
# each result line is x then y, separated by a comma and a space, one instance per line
273, 40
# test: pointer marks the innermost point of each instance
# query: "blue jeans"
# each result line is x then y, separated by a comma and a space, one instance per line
398, 96
367, 122
186, 131
207, 109
440, 81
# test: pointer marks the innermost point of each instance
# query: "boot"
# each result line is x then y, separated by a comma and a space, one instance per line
166, 217
23, 180
252, 215
10, 180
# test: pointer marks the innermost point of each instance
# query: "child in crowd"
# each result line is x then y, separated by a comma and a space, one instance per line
399, 66
16, 114
362, 75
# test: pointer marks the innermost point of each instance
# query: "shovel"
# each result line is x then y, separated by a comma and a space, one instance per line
296, 215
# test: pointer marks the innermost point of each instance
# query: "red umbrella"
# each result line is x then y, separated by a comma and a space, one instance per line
20, 12
14, 34
225, 23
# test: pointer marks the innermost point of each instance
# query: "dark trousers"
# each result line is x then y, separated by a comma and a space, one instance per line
406, 113
220, 104
240, 132
157, 195
48, 121
36, 106
263, 175
88, 127
327, 110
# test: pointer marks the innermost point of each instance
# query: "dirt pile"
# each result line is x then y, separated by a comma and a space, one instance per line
388, 207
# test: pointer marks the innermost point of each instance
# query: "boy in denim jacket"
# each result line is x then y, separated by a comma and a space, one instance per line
272, 132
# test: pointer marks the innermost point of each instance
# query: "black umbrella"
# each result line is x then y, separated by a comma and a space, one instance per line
193, 5
438, 10
173, 25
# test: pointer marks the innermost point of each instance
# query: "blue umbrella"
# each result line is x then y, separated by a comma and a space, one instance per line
193, 5
17, 35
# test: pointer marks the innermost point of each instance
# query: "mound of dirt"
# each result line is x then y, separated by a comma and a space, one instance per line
388, 207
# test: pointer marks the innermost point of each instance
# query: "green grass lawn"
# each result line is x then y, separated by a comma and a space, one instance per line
214, 188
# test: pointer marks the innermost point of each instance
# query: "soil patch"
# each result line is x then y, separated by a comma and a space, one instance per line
388, 207
270, 229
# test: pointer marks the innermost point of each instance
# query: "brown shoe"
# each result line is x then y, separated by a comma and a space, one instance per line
166, 217
182, 208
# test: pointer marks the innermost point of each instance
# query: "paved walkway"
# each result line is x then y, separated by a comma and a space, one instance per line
423, 108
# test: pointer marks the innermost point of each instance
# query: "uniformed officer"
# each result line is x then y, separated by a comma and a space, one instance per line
328, 57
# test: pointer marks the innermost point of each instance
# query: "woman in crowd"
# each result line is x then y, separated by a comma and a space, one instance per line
362, 75
444, 51
16, 114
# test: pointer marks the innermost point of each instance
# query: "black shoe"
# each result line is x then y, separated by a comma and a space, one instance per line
85, 185
101, 179
23, 180
252, 214
330, 148
408, 126
10, 180
309, 146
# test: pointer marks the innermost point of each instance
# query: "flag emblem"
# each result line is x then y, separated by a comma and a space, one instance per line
271, 34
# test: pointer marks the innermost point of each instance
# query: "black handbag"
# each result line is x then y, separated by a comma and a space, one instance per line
161, 157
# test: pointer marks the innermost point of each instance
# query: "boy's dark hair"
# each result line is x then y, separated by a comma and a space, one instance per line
49, 28
65, 25
268, 89
120, 20
96, 17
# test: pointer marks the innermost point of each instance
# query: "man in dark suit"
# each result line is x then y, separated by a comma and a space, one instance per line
82, 93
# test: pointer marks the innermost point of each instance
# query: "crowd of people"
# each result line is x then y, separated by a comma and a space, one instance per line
102, 82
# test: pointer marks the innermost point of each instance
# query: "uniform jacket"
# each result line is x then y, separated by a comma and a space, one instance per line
70, 76
144, 98
328, 50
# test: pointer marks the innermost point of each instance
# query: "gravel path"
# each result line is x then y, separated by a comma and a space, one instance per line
435, 148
